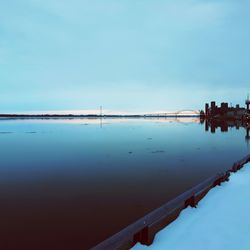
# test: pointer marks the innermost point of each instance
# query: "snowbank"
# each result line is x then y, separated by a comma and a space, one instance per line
221, 220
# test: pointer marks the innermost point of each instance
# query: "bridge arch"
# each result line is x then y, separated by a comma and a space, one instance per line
188, 112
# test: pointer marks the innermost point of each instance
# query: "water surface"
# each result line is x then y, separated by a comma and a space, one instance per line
69, 184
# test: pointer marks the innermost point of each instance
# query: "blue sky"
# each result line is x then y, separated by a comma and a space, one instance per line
135, 55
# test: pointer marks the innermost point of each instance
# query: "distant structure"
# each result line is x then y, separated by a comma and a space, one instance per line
100, 111
225, 117
224, 112
247, 103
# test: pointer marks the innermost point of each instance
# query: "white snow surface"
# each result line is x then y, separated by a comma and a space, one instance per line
220, 221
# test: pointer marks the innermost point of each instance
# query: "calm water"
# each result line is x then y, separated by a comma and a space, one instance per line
69, 184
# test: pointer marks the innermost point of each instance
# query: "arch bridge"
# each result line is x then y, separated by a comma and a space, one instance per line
184, 112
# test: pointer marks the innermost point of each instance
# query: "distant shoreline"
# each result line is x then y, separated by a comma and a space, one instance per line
70, 116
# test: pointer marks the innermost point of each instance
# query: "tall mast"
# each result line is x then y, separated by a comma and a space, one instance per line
247, 102
101, 111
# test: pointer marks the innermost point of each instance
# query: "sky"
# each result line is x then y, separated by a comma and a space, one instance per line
126, 55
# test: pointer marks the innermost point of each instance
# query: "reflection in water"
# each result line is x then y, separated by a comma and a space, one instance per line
69, 184
105, 121
224, 125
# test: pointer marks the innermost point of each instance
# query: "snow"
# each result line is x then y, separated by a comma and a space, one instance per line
221, 220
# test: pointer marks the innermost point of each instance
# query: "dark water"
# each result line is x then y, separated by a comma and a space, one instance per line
69, 184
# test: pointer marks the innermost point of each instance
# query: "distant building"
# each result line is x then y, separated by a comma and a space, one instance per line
224, 111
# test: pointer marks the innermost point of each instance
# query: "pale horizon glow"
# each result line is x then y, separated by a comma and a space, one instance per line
105, 112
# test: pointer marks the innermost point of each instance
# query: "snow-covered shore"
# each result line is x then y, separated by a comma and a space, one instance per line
220, 221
